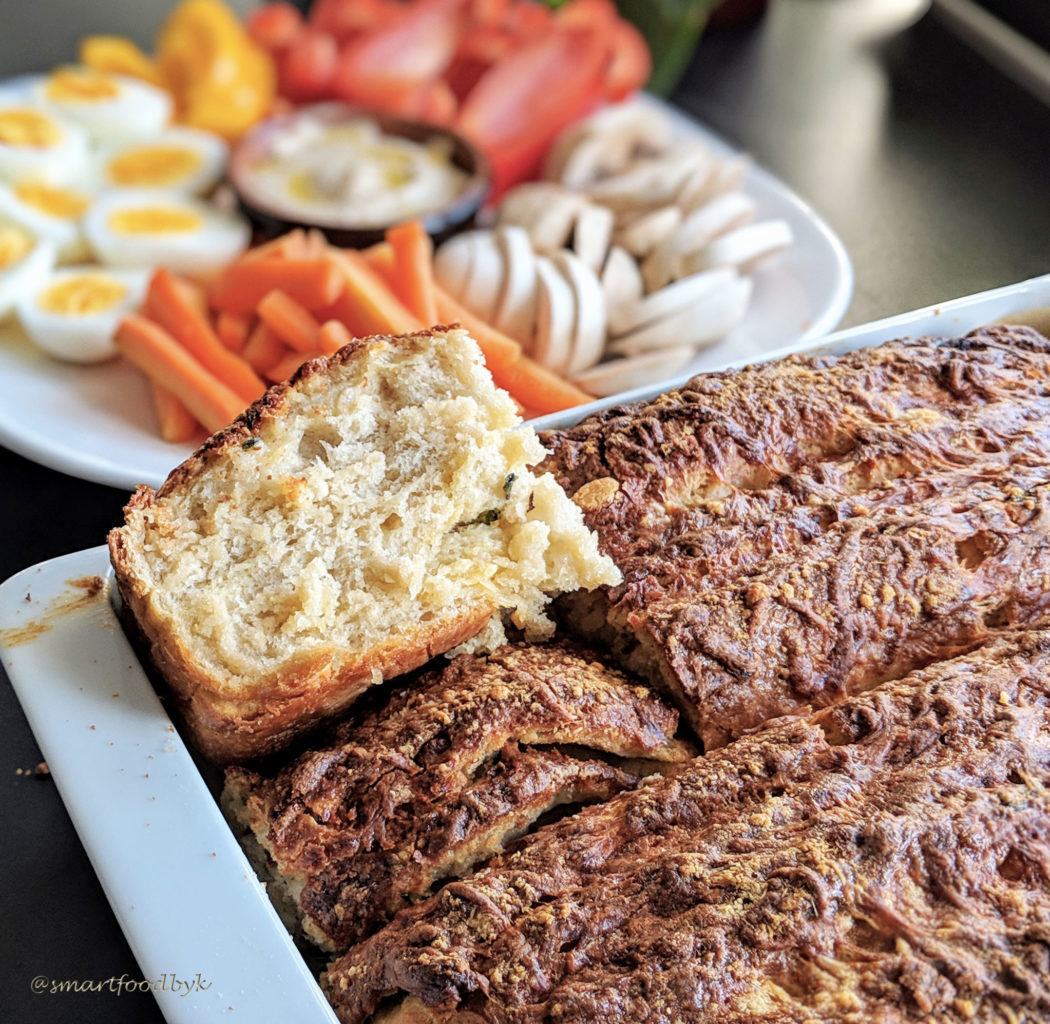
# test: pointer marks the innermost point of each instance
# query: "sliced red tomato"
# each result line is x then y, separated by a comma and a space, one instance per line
436, 103
522, 103
307, 68
527, 19
347, 18
487, 12
398, 59
630, 62
274, 26
587, 13
479, 48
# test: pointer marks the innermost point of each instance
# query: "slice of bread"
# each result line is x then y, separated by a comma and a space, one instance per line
376, 510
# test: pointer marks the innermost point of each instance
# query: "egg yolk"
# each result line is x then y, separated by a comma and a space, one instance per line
55, 202
153, 220
15, 243
153, 165
21, 126
80, 85
82, 296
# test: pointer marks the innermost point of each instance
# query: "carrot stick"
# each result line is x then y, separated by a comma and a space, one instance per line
158, 355
500, 351
242, 285
173, 307
414, 266
290, 246
233, 330
288, 364
334, 336
262, 349
177, 424
290, 321
538, 389
375, 306
380, 257
315, 245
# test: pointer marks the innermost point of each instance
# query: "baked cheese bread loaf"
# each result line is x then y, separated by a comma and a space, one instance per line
798, 531
882, 860
440, 777
376, 510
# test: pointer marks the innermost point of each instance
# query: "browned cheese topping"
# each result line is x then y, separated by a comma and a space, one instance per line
886, 859
444, 775
795, 532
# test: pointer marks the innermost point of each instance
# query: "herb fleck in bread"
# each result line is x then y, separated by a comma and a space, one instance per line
376, 510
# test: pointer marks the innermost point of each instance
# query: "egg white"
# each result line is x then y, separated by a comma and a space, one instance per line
137, 109
80, 337
214, 241
116, 162
59, 162
64, 233
24, 275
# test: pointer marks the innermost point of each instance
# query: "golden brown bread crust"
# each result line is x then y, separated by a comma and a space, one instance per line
444, 775
794, 532
227, 726
287, 705
325, 541
885, 859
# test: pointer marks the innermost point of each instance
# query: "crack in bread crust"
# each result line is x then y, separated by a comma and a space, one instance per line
795, 532
445, 775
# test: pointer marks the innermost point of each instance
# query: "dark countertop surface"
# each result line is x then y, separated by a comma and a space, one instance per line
928, 163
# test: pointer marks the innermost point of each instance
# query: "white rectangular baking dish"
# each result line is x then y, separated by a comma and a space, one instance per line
178, 882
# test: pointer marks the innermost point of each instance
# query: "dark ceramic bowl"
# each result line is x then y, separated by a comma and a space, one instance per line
270, 220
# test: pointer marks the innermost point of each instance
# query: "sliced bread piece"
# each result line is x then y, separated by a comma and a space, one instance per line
376, 510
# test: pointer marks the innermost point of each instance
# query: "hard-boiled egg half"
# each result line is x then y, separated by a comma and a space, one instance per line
107, 106
145, 229
39, 145
24, 262
74, 312
52, 213
184, 160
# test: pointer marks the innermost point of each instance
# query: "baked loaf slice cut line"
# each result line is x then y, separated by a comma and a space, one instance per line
884, 859
373, 512
444, 775
794, 532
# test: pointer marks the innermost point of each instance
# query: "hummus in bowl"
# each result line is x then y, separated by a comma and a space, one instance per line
352, 174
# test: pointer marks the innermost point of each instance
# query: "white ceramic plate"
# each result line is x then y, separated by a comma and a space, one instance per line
97, 423
142, 808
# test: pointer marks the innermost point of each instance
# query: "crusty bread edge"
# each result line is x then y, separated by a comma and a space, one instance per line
230, 731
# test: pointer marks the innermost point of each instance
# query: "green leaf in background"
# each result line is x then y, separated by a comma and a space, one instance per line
672, 29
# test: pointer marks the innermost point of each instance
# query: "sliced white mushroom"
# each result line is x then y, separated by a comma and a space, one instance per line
516, 306
555, 317
589, 328
697, 229
704, 321
688, 291
592, 235
743, 248
616, 375
649, 181
629, 129
646, 232
622, 285
482, 289
728, 176
452, 263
